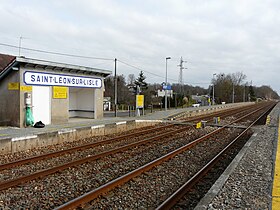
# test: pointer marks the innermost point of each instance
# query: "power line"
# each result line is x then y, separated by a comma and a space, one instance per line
87, 57
157, 75
56, 53
197, 83
185, 83
77, 56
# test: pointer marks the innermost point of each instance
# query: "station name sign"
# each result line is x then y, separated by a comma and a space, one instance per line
47, 79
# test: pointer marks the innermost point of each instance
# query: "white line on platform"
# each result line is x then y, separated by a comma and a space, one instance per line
97, 126
63, 131
120, 123
24, 138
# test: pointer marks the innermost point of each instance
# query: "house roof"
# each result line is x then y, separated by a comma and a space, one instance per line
7, 62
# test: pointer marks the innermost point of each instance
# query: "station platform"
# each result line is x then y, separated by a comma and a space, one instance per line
14, 139
74, 123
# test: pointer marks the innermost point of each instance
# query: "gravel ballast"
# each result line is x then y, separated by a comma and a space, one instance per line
247, 182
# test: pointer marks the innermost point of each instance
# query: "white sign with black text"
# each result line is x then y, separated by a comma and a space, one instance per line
47, 79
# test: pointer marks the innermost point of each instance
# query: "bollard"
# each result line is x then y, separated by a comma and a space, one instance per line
203, 123
215, 120
267, 120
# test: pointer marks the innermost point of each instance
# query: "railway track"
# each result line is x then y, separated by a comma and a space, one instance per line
143, 133
82, 147
139, 148
102, 190
10, 164
175, 198
90, 157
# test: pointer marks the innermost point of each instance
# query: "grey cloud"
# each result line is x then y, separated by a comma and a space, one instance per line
214, 36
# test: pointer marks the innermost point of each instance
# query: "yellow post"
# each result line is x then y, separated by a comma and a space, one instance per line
267, 120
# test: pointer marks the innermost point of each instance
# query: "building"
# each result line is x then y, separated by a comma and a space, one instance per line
161, 93
107, 104
202, 100
54, 91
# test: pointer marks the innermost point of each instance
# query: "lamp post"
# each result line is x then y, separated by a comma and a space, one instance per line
165, 101
213, 99
116, 88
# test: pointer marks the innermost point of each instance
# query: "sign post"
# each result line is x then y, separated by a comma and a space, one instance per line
139, 103
167, 89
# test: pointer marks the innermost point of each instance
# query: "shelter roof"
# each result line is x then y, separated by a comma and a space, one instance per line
5, 60
8, 63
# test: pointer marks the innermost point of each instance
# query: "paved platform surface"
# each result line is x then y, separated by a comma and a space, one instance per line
12, 132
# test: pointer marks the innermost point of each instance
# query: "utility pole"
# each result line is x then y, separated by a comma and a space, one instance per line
249, 94
244, 93
180, 81
19, 44
165, 98
233, 93
213, 99
116, 88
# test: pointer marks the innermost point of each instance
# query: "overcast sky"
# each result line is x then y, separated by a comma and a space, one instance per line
213, 36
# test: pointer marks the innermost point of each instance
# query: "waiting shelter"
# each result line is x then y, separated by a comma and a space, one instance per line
52, 91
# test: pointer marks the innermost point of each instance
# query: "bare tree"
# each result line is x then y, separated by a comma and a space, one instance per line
130, 79
229, 87
238, 78
124, 95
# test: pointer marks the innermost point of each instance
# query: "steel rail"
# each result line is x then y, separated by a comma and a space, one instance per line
45, 172
215, 112
177, 195
87, 197
73, 149
90, 145
222, 113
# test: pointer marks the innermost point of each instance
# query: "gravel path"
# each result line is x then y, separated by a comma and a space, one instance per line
247, 183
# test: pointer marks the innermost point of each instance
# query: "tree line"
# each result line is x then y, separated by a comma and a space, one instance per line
227, 88
233, 88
